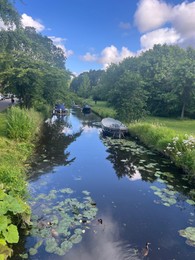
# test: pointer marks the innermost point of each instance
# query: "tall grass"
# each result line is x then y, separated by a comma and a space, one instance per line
178, 146
22, 123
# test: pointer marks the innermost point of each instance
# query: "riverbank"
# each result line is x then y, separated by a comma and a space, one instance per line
173, 138
18, 130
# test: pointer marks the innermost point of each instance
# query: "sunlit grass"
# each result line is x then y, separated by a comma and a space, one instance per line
186, 126
101, 108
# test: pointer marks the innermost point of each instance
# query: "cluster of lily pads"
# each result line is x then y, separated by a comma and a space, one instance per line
60, 220
188, 233
167, 196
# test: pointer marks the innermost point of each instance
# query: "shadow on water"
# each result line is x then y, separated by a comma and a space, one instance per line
78, 178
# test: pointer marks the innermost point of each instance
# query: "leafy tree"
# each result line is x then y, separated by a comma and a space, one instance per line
128, 97
31, 43
184, 78
8, 13
84, 88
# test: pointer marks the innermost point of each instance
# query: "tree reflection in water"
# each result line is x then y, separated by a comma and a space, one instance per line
51, 151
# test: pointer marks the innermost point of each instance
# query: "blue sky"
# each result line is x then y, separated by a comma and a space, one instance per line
96, 33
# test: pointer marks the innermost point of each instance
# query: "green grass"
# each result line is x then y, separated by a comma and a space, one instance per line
101, 108
186, 126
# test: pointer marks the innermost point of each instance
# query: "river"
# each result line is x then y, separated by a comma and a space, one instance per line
96, 198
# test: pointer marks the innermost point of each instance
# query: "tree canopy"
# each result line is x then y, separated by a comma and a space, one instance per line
160, 81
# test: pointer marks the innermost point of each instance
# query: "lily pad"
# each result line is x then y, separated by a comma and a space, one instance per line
188, 233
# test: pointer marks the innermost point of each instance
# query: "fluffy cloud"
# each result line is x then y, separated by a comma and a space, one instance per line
29, 21
108, 55
160, 36
89, 57
152, 15
183, 19
59, 42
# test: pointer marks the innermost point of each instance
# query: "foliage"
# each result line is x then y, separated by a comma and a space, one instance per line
159, 81
12, 210
21, 123
8, 13
128, 98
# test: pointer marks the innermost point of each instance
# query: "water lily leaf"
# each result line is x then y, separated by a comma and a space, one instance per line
67, 190
188, 233
38, 244
86, 192
191, 202
76, 238
66, 245
32, 251
51, 245
59, 251
24, 256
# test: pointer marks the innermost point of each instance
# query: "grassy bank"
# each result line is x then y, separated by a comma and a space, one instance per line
174, 138
18, 129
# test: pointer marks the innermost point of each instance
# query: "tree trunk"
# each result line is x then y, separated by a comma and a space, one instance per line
183, 110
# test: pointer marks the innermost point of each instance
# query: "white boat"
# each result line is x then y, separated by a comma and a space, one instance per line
113, 127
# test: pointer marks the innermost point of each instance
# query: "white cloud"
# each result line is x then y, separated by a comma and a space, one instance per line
29, 21
183, 19
151, 14
108, 55
89, 57
160, 36
59, 42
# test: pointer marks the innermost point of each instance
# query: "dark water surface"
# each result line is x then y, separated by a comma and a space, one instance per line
137, 194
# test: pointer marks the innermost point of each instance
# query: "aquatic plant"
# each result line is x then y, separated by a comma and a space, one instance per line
188, 233
66, 220
167, 196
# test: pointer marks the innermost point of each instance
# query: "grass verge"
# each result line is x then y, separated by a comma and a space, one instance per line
18, 129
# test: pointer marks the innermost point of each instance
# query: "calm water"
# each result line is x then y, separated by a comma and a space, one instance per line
137, 195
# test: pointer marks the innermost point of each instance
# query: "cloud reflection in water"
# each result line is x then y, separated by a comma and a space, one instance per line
103, 243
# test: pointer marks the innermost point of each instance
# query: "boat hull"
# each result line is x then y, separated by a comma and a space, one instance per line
113, 128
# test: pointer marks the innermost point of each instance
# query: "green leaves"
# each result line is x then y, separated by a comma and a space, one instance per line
11, 234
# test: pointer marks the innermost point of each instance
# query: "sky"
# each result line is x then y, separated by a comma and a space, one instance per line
96, 33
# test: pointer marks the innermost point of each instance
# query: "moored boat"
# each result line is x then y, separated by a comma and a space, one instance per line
86, 109
113, 127
60, 109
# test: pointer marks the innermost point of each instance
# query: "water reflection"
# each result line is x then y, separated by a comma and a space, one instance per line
58, 133
104, 243
126, 180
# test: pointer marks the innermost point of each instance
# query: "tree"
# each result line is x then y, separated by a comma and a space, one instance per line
184, 79
128, 97
8, 13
